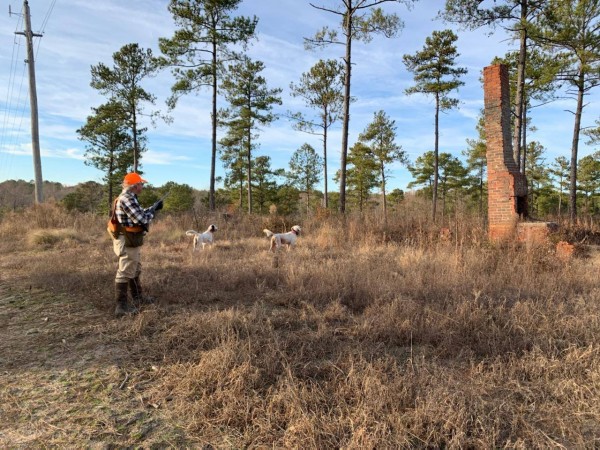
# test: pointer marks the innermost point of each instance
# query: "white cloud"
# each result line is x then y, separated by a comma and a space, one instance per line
162, 158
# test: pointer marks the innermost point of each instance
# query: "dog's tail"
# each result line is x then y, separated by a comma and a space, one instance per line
191, 233
269, 233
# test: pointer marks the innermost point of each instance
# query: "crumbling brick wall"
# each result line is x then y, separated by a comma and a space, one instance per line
507, 187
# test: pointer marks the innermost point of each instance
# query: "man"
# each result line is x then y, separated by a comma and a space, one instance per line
134, 221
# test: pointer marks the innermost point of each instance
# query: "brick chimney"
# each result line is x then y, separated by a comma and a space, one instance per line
507, 187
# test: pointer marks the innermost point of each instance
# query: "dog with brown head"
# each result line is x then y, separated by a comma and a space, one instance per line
203, 239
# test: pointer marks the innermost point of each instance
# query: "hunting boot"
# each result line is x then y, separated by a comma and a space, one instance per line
139, 298
122, 308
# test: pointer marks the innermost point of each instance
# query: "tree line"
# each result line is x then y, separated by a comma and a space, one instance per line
462, 185
559, 51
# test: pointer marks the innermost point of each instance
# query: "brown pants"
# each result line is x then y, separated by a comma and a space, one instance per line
130, 265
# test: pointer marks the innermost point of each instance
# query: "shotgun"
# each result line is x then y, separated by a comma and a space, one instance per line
153, 207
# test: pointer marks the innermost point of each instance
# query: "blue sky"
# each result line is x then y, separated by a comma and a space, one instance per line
81, 33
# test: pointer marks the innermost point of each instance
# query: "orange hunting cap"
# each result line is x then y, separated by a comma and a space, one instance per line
133, 178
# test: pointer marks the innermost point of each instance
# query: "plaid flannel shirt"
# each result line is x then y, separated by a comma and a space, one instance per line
130, 213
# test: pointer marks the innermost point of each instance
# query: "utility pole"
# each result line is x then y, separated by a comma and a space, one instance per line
35, 134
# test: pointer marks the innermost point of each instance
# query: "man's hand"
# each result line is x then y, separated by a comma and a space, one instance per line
159, 205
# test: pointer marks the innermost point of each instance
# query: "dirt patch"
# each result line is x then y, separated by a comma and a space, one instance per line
66, 380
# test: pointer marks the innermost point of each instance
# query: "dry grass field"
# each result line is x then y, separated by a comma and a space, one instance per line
357, 339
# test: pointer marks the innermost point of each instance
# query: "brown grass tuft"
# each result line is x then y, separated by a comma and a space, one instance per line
49, 238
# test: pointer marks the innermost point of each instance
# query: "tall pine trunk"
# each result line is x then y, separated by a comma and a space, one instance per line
346, 113
436, 154
519, 122
574, 148
213, 158
325, 196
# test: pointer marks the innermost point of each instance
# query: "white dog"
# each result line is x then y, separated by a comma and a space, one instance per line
205, 238
279, 239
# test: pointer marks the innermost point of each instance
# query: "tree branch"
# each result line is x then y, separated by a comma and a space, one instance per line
322, 8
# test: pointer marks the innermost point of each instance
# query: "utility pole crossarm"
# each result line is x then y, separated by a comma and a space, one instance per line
23, 33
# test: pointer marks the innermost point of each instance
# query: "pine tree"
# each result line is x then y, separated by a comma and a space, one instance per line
569, 28
477, 163
538, 88
516, 17
233, 155
593, 134
265, 186
359, 21
198, 50
109, 144
380, 137
362, 174
251, 104
538, 177
123, 83
560, 170
435, 74
305, 168
322, 89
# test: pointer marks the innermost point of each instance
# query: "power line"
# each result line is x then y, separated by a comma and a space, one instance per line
47, 16
18, 115
15, 104
8, 111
